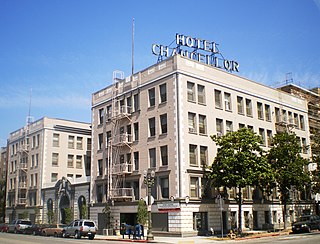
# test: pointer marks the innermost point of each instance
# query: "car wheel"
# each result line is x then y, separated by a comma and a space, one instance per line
308, 229
91, 237
77, 235
34, 233
15, 231
64, 234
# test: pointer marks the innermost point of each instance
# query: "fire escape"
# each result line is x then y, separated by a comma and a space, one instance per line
22, 167
119, 148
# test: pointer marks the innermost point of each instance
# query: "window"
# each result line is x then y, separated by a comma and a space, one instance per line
260, 110
269, 138
55, 157
227, 101
164, 183
201, 94
304, 145
99, 193
100, 138
249, 107
296, 120
241, 125
37, 160
164, 155
163, 123
202, 124
136, 131
79, 162
56, 139
302, 126
163, 93
278, 117
267, 112
152, 158
33, 161
101, 114
70, 176
290, 118
54, 177
240, 105
229, 126
79, 143
152, 127
203, 156
71, 142
136, 101
284, 116
100, 167
190, 88
152, 98
36, 179
136, 160
219, 127
263, 137
109, 112
218, 99
192, 122
193, 155
194, 186
33, 142
70, 161
129, 104
129, 133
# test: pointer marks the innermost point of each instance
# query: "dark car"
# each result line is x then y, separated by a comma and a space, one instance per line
306, 223
3, 227
35, 229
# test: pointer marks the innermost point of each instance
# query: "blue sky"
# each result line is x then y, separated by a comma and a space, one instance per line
64, 50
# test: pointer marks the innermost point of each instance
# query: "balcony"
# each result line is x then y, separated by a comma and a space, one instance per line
22, 185
121, 112
124, 194
23, 166
122, 139
120, 169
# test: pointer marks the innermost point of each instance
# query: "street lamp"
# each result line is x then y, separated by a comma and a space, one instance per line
149, 182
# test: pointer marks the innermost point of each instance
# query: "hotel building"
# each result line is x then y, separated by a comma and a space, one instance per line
160, 119
48, 160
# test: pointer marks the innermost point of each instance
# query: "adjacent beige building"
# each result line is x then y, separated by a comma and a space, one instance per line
160, 119
40, 155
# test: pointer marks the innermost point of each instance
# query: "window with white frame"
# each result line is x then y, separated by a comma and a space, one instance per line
55, 159
229, 126
71, 142
194, 187
100, 141
136, 131
302, 124
190, 91
269, 137
248, 107
79, 162
240, 105
263, 136
219, 127
201, 94
267, 112
227, 101
79, 143
70, 161
218, 99
56, 140
202, 124
152, 158
163, 123
204, 155
54, 177
164, 155
193, 155
152, 127
192, 122
164, 184
260, 110
101, 115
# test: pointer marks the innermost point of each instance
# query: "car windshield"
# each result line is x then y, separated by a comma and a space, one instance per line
89, 223
25, 222
304, 218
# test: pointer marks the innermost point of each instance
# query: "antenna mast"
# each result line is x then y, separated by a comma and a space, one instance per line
29, 119
132, 71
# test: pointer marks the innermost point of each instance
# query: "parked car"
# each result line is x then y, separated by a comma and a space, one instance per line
19, 225
79, 228
35, 229
3, 227
53, 230
306, 223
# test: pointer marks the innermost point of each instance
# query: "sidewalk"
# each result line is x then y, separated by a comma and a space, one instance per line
194, 239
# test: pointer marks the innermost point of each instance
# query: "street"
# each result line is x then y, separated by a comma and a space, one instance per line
310, 238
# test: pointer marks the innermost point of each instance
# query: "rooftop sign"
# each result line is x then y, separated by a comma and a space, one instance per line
197, 49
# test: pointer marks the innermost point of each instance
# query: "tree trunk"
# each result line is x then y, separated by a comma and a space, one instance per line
240, 212
285, 213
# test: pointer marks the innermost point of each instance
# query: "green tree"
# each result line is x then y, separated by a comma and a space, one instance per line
84, 211
25, 214
240, 162
142, 213
288, 166
50, 215
69, 216
315, 146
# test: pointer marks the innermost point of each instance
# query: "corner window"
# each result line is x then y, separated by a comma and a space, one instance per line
190, 88
163, 93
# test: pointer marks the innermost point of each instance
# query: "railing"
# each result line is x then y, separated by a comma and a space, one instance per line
22, 184
122, 139
23, 166
22, 200
122, 193
125, 168
122, 111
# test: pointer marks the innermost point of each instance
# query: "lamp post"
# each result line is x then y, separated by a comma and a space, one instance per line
149, 182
